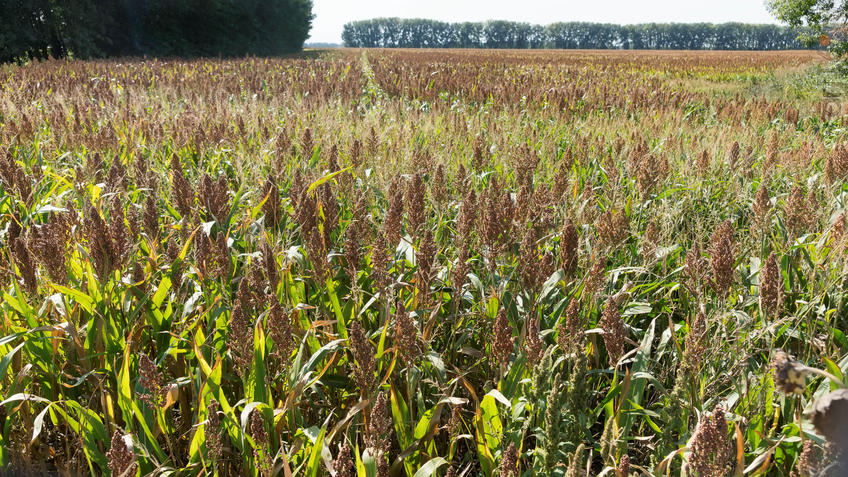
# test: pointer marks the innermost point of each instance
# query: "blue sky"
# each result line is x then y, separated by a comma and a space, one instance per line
331, 15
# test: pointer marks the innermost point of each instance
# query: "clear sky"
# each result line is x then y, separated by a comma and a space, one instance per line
331, 15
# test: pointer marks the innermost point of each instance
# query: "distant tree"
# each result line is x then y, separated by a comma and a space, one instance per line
469, 35
423, 33
819, 21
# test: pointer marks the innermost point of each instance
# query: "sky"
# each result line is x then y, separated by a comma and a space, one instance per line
331, 15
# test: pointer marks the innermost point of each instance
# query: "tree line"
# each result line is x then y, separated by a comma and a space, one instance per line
31, 29
424, 33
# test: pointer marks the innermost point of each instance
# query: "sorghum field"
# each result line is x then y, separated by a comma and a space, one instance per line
422, 263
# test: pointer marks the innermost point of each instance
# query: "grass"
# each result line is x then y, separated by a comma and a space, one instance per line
419, 263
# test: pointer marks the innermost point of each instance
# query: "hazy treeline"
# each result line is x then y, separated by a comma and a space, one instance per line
186, 28
423, 33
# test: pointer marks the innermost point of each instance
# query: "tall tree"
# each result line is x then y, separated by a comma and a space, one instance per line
96, 28
820, 21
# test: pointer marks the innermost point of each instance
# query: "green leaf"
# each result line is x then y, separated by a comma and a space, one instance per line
326, 178
400, 417
430, 467
313, 465
319, 355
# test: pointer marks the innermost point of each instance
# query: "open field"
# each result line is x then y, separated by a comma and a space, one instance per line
387, 262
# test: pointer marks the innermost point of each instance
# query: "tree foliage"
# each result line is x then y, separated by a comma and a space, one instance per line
822, 22
93, 28
423, 33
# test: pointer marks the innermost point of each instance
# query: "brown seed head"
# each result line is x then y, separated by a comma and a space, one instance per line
502, 341
836, 167
569, 243
798, 212
624, 466
151, 379
771, 287
534, 347
213, 197
614, 332
26, 266
120, 457
281, 330
594, 279
117, 177
711, 452
695, 344
151, 218
735, 151
570, 334
406, 336
363, 354
121, 245
509, 462
343, 465
762, 204
212, 431
240, 339
261, 452
380, 425
438, 189
613, 228
181, 190
722, 257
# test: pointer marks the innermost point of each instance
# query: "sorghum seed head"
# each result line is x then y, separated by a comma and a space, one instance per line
711, 452
722, 257
212, 432
406, 336
363, 354
120, 456
533, 346
380, 425
614, 333
509, 462
151, 379
771, 286
502, 342
343, 465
